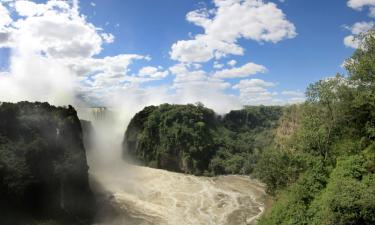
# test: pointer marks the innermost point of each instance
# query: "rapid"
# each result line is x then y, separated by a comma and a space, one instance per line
147, 196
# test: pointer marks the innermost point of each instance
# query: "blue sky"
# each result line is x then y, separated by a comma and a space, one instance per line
151, 27
305, 44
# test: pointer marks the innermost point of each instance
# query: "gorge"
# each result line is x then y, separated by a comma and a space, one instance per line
316, 160
141, 195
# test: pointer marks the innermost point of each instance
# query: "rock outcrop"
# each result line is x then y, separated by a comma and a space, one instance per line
43, 167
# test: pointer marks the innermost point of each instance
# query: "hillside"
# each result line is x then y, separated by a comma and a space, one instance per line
322, 170
193, 139
43, 168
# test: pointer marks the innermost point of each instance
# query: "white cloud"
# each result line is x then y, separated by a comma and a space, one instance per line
93, 4
36, 78
229, 21
360, 4
29, 8
202, 49
107, 37
356, 29
258, 92
253, 85
5, 29
218, 65
152, 72
191, 85
243, 71
57, 32
53, 49
113, 65
351, 41
232, 62
5, 18
186, 74
361, 27
55, 57
255, 92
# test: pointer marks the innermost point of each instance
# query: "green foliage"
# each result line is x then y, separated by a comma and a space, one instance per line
317, 158
335, 137
43, 168
174, 137
293, 203
349, 197
252, 117
278, 169
193, 139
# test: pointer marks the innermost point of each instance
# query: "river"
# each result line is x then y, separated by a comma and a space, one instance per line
146, 196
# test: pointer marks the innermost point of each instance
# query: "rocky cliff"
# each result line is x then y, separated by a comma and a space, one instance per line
43, 167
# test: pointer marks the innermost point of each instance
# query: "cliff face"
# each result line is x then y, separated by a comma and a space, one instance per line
43, 168
88, 133
173, 137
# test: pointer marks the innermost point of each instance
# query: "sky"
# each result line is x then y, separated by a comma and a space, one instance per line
223, 53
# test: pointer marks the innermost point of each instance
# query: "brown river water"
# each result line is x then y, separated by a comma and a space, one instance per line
134, 195
146, 196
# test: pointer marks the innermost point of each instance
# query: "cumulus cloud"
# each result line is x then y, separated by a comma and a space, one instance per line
5, 19
187, 76
232, 62
218, 65
259, 92
356, 29
5, 29
243, 71
359, 27
360, 4
153, 72
55, 57
229, 21
57, 32
256, 91
107, 37
53, 49
195, 85
111, 65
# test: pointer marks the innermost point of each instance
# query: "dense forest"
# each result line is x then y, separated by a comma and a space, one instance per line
43, 168
321, 171
316, 158
193, 139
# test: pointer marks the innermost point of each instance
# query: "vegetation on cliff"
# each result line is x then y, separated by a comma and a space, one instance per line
193, 139
317, 158
43, 168
322, 168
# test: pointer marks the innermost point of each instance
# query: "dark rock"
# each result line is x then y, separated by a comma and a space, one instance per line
43, 167
88, 133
